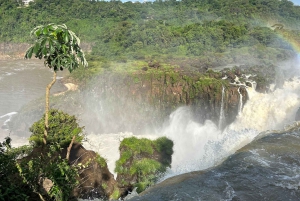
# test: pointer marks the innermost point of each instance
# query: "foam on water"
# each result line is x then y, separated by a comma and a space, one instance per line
269, 111
7, 118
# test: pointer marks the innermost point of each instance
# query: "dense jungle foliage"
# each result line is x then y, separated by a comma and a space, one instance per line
212, 31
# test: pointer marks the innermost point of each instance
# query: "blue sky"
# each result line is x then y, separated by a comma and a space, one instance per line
296, 2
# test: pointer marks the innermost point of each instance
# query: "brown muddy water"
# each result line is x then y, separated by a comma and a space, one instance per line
22, 81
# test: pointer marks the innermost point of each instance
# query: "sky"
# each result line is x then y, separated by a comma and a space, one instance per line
296, 2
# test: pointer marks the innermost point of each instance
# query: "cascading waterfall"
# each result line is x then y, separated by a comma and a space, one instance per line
222, 116
200, 146
240, 108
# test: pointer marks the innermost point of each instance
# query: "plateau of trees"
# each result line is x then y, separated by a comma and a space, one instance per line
174, 29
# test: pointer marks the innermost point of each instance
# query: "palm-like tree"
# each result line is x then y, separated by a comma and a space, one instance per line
59, 47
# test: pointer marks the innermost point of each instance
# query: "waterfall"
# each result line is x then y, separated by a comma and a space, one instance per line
240, 108
222, 116
199, 146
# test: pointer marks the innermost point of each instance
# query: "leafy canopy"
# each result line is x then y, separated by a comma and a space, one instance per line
58, 45
62, 128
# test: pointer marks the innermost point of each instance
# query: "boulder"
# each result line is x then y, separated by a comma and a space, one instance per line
95, 180
141, 162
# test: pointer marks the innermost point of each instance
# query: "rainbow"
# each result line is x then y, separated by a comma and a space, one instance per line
288, 36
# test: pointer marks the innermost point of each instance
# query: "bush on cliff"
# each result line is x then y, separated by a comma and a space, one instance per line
142, 161
62, 128
47, 171
11, 185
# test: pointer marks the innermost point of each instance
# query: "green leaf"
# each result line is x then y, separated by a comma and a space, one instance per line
66, 38
44, 51
36, 48
38, 32
28, 54
44, 42
45, 31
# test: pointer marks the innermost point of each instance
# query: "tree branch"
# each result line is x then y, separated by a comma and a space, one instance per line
47, 107
69, 148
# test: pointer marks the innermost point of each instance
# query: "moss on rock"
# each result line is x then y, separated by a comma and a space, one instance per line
142, 161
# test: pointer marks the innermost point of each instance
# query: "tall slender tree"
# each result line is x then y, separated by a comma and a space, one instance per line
59, 47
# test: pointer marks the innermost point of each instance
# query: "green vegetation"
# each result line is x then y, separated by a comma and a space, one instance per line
115, 195
11, 187
25, 169
120, 32
101, 161
22, 178
53, 168
143, 160
62, 128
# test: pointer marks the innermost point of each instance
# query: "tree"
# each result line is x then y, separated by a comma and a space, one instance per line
59, 47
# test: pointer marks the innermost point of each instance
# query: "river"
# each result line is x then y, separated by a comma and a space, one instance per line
20, 82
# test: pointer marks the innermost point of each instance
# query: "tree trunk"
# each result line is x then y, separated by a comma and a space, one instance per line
47, 108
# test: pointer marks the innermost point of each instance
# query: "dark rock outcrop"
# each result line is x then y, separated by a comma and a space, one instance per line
95, 180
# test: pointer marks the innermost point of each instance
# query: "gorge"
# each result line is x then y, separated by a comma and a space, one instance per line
140, 104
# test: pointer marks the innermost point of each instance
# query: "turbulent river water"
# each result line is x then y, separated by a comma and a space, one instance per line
243, 162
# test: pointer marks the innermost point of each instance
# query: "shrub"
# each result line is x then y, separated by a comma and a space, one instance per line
48, 166
142, 161
11, 186
62, 128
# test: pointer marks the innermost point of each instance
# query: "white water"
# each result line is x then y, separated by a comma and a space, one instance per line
7, 118
202, 146
222, 116
240, 102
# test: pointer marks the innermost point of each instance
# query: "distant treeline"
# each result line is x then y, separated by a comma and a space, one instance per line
186, 28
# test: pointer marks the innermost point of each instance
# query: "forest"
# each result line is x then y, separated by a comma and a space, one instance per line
202, 33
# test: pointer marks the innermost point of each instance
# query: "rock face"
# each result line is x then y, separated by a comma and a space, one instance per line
141, 163
95, 180
144, 100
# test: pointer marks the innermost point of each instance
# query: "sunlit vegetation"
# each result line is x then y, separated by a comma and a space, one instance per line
62, 128
142, 161
167, 30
